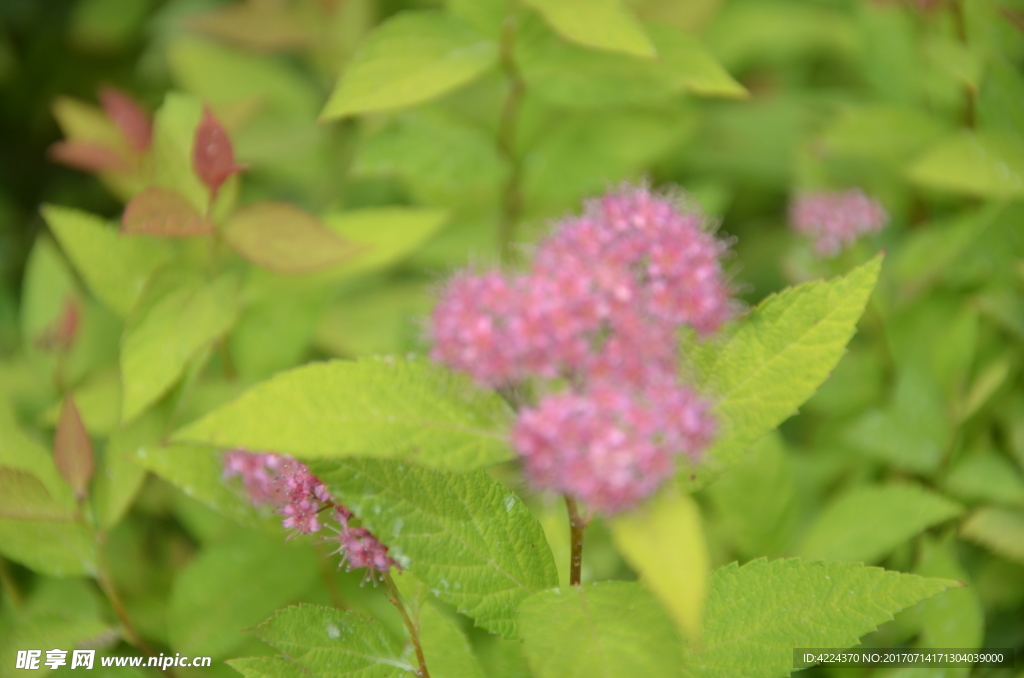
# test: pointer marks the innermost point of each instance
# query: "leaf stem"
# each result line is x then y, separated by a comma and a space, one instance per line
577, 526
10, 587
512, 199
414, 633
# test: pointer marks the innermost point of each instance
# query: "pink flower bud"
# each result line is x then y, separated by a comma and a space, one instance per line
834, 221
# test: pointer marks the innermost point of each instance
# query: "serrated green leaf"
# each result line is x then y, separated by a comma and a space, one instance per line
413, 57
664, 543
981, 164
757, 614
868, 522
776, 359
267, 667
472, 541
389, 408
114, 267
999, 529
199, 473
603, 629
178, 315
600, 24
210, 603
328, 642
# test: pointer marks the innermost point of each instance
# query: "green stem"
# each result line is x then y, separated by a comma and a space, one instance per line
960, 18
512, 199
577, 526
414, 632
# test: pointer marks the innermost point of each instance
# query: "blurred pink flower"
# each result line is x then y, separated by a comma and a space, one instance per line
835, 220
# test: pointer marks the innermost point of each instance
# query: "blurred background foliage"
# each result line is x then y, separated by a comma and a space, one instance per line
921, 104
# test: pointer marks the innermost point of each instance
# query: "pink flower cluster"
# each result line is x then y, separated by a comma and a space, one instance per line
835, 220
301, 498
601, 307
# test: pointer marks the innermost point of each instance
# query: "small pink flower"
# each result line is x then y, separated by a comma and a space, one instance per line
835, 220
609, 447
301, 497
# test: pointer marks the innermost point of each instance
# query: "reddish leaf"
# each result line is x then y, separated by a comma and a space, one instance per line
162, 212
286, 239
60, 334
72, 449
212, 156
88, 157
129, 117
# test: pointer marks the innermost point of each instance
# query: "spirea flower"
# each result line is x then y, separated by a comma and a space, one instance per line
302, 499
604, 298
609, 447
600, 308
835, 220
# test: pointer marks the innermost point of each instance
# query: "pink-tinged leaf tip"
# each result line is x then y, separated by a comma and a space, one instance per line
128, 116
213, 157
72, 449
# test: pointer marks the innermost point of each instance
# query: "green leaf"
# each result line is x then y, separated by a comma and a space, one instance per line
412, 57
225, 77
47, 289
775, 361
388, 234
329, 642
664, 542
174, 129
161, 212
445, 648
114, 267
120, 476
486, 16
199, 473
19, 452
384, 319
603, 629
986, 476
999, 529
444, 160
572, 76
210, 603
954, 618
24, 497
177, 316
601, 24
56, 549
283, 238
981, 164
756, 501
881, 132
473, 542
99, 402
757, 614
268, 667
868, 522
377, 407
